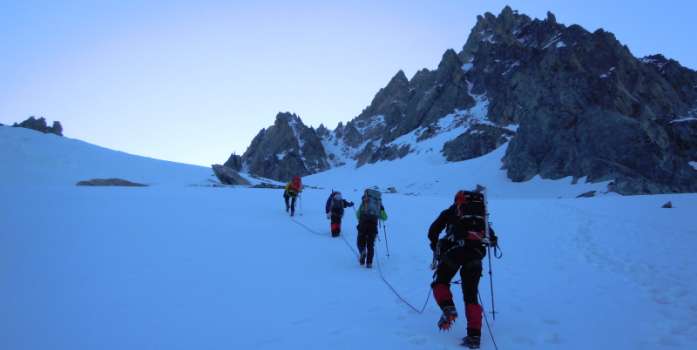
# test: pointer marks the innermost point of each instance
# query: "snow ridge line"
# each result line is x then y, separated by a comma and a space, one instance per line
382, 276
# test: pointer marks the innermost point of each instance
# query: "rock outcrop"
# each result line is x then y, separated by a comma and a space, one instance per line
228, 175
110, 182
40, 125
286, 149
234, 162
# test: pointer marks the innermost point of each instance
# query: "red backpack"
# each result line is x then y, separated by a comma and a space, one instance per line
296, 184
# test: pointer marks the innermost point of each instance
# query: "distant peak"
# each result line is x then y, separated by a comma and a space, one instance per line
399, 79
287, 117
398, 83
551, 18
449, 58
506, 12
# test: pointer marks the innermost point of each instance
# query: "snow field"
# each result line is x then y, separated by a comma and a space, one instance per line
180, 265
219, 268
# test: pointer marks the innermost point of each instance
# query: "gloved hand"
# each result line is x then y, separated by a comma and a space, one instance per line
329, 216
350, 204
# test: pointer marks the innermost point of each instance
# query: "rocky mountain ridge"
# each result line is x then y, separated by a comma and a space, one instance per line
567, 102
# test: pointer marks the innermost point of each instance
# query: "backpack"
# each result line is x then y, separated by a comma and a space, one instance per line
337, 201
472, 217
372, 202
296, 184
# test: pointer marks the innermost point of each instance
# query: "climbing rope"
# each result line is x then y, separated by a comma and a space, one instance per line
308, 228
355, 252
419, 311
380, 272
389, 285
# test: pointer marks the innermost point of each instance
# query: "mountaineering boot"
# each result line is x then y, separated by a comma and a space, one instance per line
472, 341
448, 318
361, 259
369, 265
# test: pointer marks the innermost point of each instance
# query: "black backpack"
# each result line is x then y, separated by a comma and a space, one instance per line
471, 223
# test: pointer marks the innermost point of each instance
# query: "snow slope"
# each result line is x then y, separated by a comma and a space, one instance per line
425, 170
427, 173
33, 158
192, 267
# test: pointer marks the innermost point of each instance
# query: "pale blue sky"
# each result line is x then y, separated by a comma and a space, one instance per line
193, 81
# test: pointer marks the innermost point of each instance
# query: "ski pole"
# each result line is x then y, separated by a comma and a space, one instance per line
488, 248
491, 284
387, 247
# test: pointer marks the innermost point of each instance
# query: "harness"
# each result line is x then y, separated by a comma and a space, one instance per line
451, 242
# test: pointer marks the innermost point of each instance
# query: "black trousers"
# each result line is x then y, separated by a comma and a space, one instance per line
367, 232
366, 244
290, 206
470, 273
468, 261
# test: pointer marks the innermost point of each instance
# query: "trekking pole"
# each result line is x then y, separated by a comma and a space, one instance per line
491, 284
387, 247
488, 248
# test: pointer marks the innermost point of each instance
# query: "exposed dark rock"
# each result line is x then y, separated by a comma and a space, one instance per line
322, 132
234, 162
286, 149
585, 105
588, 194
475, 142
373, 154
267, 185
40, 125
667, 205
110, 182
228, 175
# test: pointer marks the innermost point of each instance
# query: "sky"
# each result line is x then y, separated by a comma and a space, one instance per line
195, 81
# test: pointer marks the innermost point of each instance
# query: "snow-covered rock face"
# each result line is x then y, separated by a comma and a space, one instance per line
570, 102
585, 106
286, 149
